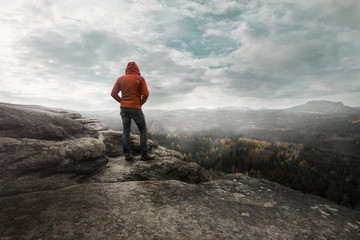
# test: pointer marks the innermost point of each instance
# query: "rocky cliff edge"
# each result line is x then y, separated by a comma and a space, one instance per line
63, 176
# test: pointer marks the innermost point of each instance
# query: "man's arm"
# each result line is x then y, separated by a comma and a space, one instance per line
144, 91
115, 92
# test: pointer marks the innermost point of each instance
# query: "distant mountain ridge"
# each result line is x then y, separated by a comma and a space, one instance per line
321, 106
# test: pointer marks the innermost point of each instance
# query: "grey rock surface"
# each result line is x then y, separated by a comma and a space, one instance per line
236, 207
164, 167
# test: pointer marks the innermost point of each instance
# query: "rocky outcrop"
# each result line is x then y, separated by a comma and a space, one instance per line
60, 188
168, 165
44, 148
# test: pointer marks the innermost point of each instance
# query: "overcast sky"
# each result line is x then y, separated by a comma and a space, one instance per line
193, 54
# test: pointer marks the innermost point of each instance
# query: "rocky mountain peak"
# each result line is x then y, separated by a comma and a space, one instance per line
64, 176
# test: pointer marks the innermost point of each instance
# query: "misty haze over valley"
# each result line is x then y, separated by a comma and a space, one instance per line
320, 123
312, 147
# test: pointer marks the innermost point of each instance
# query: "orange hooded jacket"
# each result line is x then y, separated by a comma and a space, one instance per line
132, 85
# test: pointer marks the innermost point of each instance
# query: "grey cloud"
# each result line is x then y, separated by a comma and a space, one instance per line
85, 58
92, 47
65, 103
188, 33
344, 14
164, 95
252, 84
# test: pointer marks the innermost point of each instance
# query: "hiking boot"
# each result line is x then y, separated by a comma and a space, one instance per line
147, 156
128, 157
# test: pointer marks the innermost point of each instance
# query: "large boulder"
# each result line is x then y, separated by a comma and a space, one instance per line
23, 121
113, 142
114, 145
33, 165
43, 148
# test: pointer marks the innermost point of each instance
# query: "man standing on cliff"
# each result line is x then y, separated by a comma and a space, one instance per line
134, 94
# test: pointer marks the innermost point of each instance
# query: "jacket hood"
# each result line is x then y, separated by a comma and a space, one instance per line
132, 68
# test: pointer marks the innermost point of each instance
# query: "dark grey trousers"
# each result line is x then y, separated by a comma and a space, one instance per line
138, 116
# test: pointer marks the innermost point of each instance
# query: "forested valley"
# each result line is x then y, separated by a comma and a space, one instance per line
318, 171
